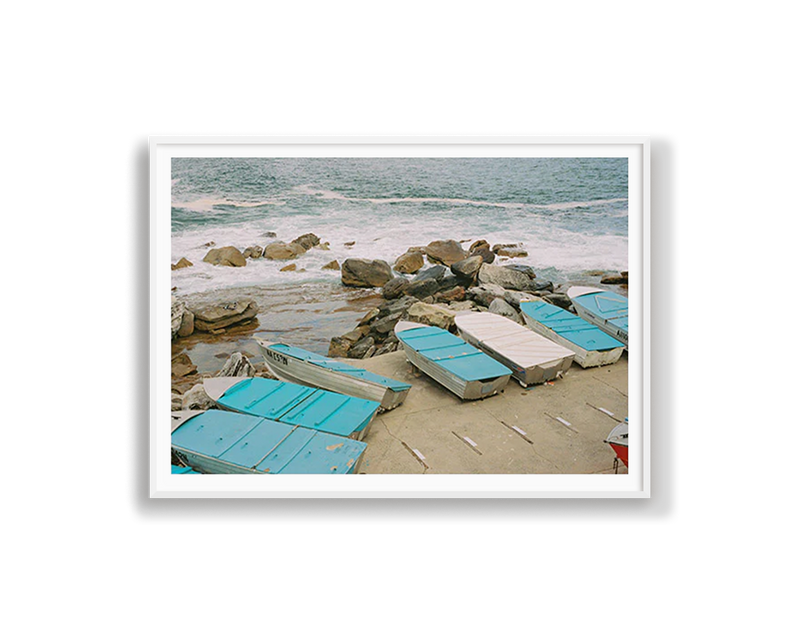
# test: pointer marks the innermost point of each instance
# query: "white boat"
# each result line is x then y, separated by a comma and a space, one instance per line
304, 367
606, 310
592, 347
456, 365
532, 358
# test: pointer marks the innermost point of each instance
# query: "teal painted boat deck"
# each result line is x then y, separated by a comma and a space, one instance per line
182, 470
452, 353
569, 326
607, 305
298, 405
342, 367
252, 443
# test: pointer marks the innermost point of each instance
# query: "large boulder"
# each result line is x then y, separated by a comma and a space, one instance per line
502, 308
226, 257
395, 288
437, 272
504, 277
282, 251
218, 316
456, 294
431, 314
481, 248
395, 306
559, 299
409, 263
445, 252
307, 240
364, 348
468, 268
484, 294
383, 326
422, 288
365, 273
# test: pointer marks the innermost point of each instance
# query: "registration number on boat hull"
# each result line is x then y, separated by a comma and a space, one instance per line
277, 357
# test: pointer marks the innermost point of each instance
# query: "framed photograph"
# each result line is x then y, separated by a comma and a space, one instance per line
400, 317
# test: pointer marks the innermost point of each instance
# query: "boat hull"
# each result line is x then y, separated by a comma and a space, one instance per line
464, 389
618, 441
298, 371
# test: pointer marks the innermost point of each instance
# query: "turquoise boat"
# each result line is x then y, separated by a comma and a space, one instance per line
225, 442
607, 310
592, 347
294, 404
466, 371
304, 367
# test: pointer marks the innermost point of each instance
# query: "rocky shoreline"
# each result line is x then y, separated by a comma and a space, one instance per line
426, 284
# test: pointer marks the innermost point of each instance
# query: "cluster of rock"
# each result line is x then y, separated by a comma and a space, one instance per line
187, 384
232, 257
211, 318
459, 280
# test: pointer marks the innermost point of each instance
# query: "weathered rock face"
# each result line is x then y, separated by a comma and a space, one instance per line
504, 277
196, 398
512, 252
499, 247
395, 288
385, 325
612, 279
515, 297
422, 288
333, 265
289, 267
339, 347
388, 347
396, 306
369, 316
456, 294
481, 248
466, 305
307, 240
361, 349
559, 299
502, 308
436, 272
484, 294
182, 319
409, 263
181, 264
182, 366
282, 251
218, 316
237, 366
445, 252
432, 315
468, 268
253, 252
365, 273
226, 257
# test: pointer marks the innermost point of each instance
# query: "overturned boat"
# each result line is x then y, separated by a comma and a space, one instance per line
592, 347
532, 358
225, 442
294, 404
304, 367
606, 310
456, 365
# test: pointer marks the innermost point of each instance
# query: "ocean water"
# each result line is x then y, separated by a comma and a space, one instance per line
570, 214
